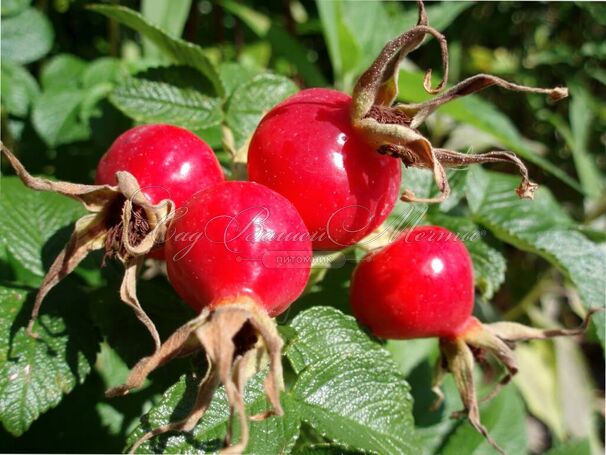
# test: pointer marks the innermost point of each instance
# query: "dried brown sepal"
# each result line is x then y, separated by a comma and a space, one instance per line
460, 354
237, 336
122, 221
392, 129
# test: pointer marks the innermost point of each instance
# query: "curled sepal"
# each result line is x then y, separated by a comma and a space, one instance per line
237, 337
459, 355
122, 221
392, 129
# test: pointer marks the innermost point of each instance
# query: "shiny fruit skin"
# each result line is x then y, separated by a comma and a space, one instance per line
419, 286
306, 150
168, 162
221, 247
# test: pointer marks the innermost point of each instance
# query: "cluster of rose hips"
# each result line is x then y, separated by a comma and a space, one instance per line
322, 177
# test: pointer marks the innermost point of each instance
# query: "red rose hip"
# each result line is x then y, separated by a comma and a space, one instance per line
240, 253
232, 240
421, 285
147, 172
168, 162
306, 149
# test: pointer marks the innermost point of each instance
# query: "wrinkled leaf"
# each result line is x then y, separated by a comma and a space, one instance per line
26, 37
30, 221
56, 116
348, 388
539, 226
152, 101
252, 99
273, 435
19, 89
178, 50
35, 374
234, 74
62, 71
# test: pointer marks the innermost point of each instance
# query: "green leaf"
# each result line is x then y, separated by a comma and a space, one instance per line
576, 447
488, 264
354, 40
30, 221
169, 15
539, 226
178, 50
102, 70
343, 48
26, 37
251, 100
36, 373
235, 74
62, 71
18, 90
12, 7
56, 116
348, 388
505, 420
479, 113
408, 354
272, 435
325, 449
281, 41
581, 119
151, 101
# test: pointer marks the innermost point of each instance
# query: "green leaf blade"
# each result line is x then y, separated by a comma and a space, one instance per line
541, 227
153, 101
348, 387
178, 50
252, 99
504, 418
26, 37
273, 435
30, 220
36, 373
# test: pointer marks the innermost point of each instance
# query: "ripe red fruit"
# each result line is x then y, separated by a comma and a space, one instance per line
146, 173
421, 286
245, 227
241, 254
168, 162
306, 149
418, 286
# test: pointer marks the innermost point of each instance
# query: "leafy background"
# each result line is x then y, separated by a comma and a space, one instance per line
74, 77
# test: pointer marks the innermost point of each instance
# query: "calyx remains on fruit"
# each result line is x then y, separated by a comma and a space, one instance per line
392, 129
227, 258
122, 222
421, 286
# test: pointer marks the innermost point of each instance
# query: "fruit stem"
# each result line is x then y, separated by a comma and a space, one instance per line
459, 355
234, 333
